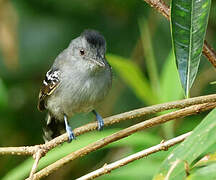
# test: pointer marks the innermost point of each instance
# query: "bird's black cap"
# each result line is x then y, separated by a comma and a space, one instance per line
94, 38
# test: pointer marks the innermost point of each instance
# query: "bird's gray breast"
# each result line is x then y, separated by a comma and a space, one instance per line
79, 91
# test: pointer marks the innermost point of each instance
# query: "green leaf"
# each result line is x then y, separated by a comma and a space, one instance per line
133, 76
188, 22
170, 84
197, 143
204, 173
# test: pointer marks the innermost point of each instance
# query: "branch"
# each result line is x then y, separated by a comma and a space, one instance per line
121, 134
209, 53
37, 156
162, 8
44, 148
31, 150
25, 150
160, 147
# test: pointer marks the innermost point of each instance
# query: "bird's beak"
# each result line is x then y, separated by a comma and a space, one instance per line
97, 62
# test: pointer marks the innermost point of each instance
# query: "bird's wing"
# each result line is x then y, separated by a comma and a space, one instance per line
49, 85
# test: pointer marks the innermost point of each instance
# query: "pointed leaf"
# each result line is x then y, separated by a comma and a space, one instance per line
170, 84
198, 142
189, 20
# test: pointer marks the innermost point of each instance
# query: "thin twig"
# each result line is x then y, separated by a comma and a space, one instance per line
162, 8
121, 134
209, 53
160, 147
37, 157
30, 150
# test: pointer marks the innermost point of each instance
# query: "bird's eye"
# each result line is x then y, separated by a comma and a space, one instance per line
82, 52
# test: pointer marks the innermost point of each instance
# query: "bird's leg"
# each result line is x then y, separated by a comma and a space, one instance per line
99, 120
70, 133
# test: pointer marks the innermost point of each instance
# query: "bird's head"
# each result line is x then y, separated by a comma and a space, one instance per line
90, 47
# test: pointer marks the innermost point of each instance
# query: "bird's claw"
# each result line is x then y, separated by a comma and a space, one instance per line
69, 131
99, 120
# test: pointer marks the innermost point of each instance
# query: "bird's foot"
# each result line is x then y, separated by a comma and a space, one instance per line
69, 131
99, 120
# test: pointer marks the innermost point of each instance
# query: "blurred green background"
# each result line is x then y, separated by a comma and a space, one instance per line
34, 32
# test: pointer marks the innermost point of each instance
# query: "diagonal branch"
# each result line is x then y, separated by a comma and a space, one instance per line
123, 133
131, 115
161, 7
209, 53
31, 150
160, 147
44, 148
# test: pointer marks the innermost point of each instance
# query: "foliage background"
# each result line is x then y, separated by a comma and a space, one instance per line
34, 32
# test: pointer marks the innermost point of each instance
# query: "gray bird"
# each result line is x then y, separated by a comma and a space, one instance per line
79, 78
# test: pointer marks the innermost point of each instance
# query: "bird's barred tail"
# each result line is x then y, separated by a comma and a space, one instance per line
53, 128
